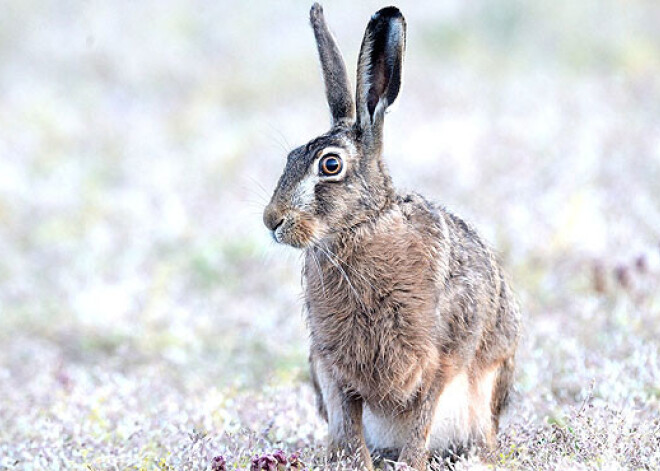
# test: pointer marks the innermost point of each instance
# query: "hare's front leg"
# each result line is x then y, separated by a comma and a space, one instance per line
344, 415
414, 452
346, 434
343, 412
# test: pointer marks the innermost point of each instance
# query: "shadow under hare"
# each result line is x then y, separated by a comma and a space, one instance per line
413, 327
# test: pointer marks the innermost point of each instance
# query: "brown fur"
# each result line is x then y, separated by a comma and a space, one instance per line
402, 296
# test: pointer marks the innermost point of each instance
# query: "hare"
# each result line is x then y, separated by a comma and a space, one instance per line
413, 328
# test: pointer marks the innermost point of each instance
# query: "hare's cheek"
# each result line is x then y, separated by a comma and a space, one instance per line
312, 229
303, 197
332, 211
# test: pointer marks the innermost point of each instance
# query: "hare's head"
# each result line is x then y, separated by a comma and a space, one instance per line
338, 180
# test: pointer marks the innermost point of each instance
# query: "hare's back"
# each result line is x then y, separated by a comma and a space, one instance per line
477, 314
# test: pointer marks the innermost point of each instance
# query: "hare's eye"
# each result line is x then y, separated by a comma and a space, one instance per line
330, 165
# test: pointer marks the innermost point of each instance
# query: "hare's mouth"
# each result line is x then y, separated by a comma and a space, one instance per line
296, 231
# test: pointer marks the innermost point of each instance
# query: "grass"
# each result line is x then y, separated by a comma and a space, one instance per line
148, 322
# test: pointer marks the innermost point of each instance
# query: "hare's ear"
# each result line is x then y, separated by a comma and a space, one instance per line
337, 88
379, 68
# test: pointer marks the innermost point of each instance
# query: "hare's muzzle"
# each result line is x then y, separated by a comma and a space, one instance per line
272, 219
291, 227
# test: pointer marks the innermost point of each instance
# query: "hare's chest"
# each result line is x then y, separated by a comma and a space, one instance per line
368, 357
374, 329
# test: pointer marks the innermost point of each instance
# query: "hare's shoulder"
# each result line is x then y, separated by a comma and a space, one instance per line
423, 216
457, 245
430, 216
441, 227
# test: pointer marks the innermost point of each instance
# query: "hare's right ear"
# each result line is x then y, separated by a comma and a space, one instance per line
337, 88
379, 69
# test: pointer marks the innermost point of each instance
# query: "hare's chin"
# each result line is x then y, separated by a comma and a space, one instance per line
296, 242
299, 236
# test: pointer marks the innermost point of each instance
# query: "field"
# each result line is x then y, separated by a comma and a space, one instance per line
147, 320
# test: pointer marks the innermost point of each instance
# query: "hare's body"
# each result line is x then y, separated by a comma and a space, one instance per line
413, 328
393, 306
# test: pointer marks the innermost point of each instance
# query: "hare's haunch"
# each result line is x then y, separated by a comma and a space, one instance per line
413, 326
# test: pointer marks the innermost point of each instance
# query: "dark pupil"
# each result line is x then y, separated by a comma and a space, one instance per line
331, 165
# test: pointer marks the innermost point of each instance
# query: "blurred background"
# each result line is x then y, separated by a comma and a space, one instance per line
144, 308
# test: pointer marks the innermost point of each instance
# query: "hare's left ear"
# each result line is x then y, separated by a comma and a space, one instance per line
337, 88
379, 68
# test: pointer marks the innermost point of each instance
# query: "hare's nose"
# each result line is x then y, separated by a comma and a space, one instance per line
272, 218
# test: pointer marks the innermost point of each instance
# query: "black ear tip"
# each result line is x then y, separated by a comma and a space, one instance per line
316, 12
387, 13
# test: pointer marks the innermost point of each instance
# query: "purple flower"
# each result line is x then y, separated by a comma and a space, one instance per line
268, 463
254, 466
623, 276
218, 463
263, 463
294, 461
280, 457
641, 264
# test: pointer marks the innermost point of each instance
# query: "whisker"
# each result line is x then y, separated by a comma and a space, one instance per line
363, 277
253, 202
282, 141
259, 185
343, 273
318, 266
259, 191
